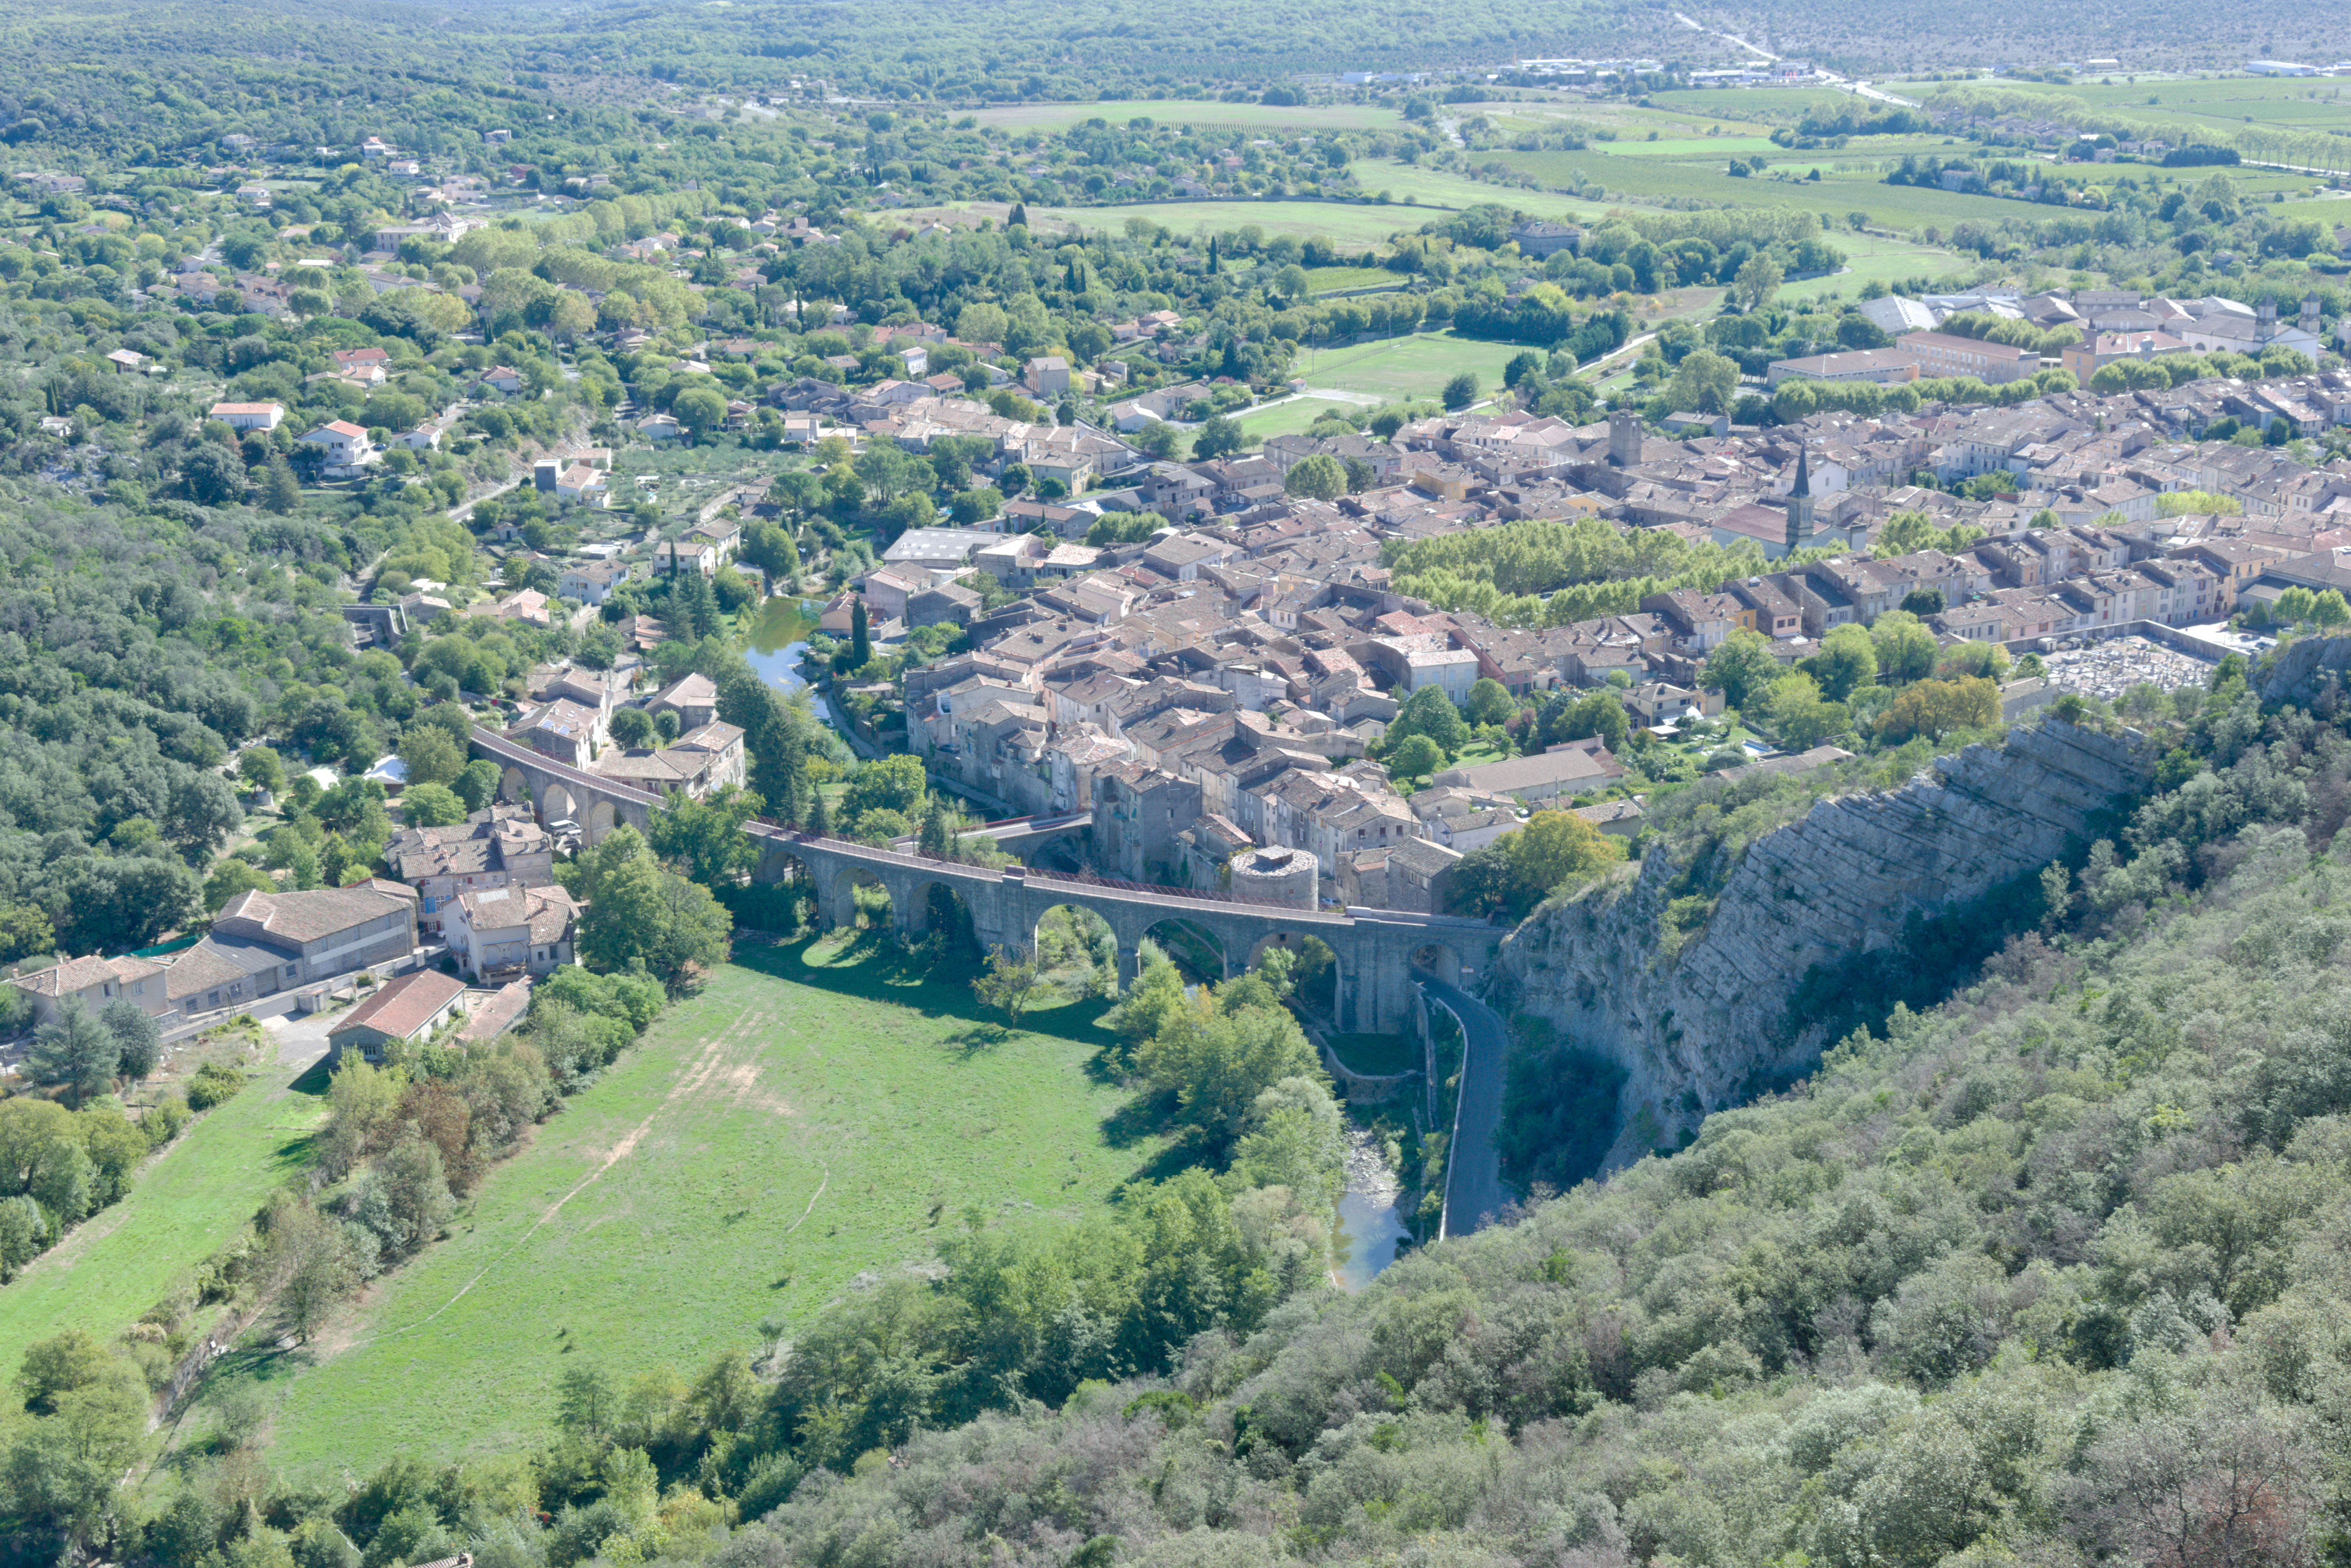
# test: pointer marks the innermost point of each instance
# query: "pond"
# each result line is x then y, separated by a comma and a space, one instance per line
778, 641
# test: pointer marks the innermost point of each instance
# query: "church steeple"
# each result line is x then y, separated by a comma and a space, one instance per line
1800, 503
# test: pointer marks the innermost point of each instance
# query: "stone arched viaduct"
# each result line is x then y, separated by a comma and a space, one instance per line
1375, 948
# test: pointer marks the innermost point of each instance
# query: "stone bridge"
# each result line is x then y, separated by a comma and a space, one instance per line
561, 793
1377, 950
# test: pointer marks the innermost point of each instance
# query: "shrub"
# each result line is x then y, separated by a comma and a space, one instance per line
215, 1083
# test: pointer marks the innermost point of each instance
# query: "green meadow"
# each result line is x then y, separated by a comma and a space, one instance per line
818, 1113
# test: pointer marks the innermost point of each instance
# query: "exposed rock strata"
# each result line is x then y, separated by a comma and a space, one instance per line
1692, 1027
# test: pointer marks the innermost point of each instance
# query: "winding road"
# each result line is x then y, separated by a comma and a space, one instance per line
1474, 1189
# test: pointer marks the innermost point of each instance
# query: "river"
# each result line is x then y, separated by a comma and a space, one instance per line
1367, 1213
778, 643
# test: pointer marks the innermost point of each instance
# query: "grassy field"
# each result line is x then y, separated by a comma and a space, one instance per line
1191, 111
1324, 279
817, 1112
1348, 223
1874, 258
1417, 365
188, 1201
1291, 418
1436, 188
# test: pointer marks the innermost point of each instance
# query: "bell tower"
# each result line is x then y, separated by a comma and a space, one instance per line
1800, 504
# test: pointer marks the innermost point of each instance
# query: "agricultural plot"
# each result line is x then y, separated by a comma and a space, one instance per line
1407, 182
816, 1112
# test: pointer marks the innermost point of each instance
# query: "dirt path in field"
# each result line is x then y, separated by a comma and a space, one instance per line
709, 1077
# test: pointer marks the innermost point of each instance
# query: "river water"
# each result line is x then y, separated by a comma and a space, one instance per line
779, 643
1367, 1209
1367, 1212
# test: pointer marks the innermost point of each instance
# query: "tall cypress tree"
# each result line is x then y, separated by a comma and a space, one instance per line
861, 638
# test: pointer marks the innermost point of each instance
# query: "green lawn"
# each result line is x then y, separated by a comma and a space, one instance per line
1872, 258
1323, 279
1436, 188
1415, 365
1292, 418
814, 1114
188, 1201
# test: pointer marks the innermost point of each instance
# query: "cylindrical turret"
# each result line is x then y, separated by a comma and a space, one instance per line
1280, 876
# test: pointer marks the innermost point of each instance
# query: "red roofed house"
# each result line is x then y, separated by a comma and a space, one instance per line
242, 416
345, 447
400, 1010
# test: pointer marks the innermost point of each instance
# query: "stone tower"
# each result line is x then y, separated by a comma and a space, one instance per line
2310, 316
1800, 504
1625, 438
2265, 320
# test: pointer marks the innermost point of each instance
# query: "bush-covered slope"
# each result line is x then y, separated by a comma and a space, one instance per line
2057, 1270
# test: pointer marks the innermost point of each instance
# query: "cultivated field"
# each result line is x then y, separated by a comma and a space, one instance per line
815, 1113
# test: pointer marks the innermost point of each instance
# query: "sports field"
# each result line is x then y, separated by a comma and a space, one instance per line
1292, 416
816, 1113
1415, 365
188, 1201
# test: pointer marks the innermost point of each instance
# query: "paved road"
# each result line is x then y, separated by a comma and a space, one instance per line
1474, 1191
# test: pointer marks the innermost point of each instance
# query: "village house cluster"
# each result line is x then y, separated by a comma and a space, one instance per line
1216, 684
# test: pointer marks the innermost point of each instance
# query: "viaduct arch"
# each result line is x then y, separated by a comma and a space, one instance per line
1375, 948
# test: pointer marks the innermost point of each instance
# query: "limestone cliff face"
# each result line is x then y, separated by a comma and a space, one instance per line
2306, 672
1700, 1022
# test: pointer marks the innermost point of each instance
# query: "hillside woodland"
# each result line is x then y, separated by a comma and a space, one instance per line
2048, 1272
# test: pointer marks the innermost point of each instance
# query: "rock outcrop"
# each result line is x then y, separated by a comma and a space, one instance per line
1692, 1027
2306, 672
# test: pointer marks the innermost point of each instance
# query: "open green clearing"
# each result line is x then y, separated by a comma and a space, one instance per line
1324, 279
188, 1201
816, 1112
1348, 222
1872, 258
1436, 188
1291, 417
1415, 365
1191, 111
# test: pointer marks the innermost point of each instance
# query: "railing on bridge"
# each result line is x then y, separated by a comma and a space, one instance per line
1078, 879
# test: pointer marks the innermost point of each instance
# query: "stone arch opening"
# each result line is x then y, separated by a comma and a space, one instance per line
1192, 948
513, 787
860, 901
1313, 968
1439, 959
557, 804
936, 909
601, 820
1075, 947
